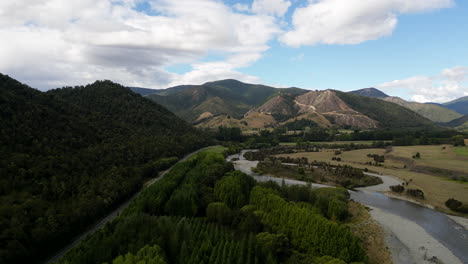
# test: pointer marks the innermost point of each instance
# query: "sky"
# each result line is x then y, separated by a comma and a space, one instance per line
415, 49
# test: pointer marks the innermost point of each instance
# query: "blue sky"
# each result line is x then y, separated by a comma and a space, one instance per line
413, 49
421, 44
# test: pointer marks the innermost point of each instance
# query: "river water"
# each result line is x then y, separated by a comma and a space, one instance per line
416, 233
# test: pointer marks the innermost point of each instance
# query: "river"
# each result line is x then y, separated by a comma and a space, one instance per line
415, 234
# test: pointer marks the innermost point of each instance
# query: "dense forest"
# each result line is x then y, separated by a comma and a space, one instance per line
69, 156
204, 212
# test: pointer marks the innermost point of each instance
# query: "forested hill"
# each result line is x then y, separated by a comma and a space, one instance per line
68, 156
389, 115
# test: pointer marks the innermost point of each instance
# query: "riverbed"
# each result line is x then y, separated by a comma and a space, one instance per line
414, 233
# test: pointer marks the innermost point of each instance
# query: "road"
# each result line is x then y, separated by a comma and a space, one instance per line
111, 216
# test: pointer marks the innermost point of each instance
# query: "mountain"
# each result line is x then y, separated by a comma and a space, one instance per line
389, 115
226, 97
370, 92
328, 108
323, 107
69, 156
433, 112
460, 124
142, 91
459, 105
252, 106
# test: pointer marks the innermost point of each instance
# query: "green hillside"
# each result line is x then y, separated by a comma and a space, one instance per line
433, 112
370, 92
69, 156
389, 115
459, 105
460, 124
225, 97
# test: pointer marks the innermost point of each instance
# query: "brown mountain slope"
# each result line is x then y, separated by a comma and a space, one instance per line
277, 105
323, 107
322, 102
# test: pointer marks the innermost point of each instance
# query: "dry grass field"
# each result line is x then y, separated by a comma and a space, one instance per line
444, 156
436, 189
334, 143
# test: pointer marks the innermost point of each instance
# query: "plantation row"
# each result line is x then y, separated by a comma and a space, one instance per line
205, 212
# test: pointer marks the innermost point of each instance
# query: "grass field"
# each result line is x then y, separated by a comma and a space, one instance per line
437, 189
461, 151
333, 143
214, 149
444, 157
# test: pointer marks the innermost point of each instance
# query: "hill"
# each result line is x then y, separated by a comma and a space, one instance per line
433, 112
370, 92
226, 97
389, 115
459, 105
316, 106
324, 108
142, 91
68, 156
252, 106
460, 124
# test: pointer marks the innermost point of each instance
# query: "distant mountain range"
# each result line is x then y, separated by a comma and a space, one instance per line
459, 105
234, 103
434, 112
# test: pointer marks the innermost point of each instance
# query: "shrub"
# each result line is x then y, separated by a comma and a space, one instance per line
397, 188
415, 193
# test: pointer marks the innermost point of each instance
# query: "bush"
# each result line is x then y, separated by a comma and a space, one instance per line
415, 193
456, 206
397, 188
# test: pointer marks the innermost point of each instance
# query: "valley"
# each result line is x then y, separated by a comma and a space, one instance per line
233, 132
134, 175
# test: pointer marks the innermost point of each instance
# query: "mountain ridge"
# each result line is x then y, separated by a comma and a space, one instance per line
258, 106
435, 112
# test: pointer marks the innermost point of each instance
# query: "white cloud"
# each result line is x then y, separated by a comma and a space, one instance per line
271, 7
351, 21
450, 84
241, 7
57, 42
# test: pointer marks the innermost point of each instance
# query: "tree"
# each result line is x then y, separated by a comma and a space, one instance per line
234, 189
219, 212
458, 140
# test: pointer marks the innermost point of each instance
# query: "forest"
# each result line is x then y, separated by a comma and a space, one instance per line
69, 156
203, 211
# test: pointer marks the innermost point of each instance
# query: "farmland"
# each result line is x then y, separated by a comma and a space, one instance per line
437, 189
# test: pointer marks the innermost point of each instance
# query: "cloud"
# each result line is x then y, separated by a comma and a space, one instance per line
450, 84
351, 21
271, 7
55, 42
